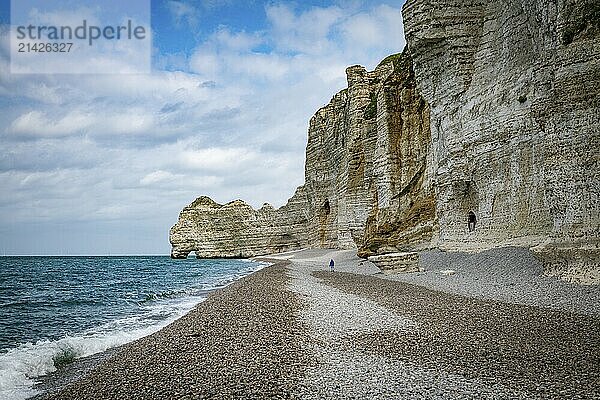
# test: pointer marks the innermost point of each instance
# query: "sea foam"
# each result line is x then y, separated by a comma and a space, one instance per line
20, 366
123, 299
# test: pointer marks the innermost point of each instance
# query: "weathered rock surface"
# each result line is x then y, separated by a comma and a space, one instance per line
397, 262
366, 161
365, 185
235, 229
484, 132
514, 91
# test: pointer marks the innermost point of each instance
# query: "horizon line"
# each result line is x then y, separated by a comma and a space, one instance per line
84, 255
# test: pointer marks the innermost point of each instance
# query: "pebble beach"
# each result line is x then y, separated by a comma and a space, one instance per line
296, 330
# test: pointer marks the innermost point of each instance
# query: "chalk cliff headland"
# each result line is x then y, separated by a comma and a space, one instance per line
490, 116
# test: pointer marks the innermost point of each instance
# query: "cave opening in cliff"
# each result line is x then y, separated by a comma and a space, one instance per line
326, 208
472, 221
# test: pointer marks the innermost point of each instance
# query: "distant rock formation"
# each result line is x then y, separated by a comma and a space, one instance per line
236, 230
484, 132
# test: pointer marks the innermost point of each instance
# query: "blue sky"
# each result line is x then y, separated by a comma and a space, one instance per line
102, 164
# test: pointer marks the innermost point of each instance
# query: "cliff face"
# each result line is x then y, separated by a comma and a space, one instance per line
366, 183
366, 160
485, 132
514, 90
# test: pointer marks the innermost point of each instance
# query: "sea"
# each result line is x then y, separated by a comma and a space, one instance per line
54, 310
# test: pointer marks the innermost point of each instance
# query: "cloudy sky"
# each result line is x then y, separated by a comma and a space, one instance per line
102, 164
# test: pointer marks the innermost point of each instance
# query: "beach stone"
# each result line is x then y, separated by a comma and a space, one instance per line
397, 262
447, 272
297, 331
465, 348
243, 341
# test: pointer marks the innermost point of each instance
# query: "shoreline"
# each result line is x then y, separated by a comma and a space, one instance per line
294, 330
182, 344
54, 382
51, 384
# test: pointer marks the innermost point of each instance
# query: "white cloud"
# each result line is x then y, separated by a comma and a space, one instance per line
35, 123
306, 32
135, 121
240, 41
381, 25
258, 65
38, 123
216, 158
206, 64
156, 177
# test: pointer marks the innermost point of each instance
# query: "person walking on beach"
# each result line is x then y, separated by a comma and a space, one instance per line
331, 264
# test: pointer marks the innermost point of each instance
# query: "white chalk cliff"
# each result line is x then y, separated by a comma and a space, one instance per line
490, 115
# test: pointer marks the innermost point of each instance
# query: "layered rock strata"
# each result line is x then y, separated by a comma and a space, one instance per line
514, 91
484, 133
397, 262
366, 182
236, 230
366, 159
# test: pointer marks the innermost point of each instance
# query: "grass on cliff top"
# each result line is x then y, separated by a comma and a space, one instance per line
390, 58
398, 60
